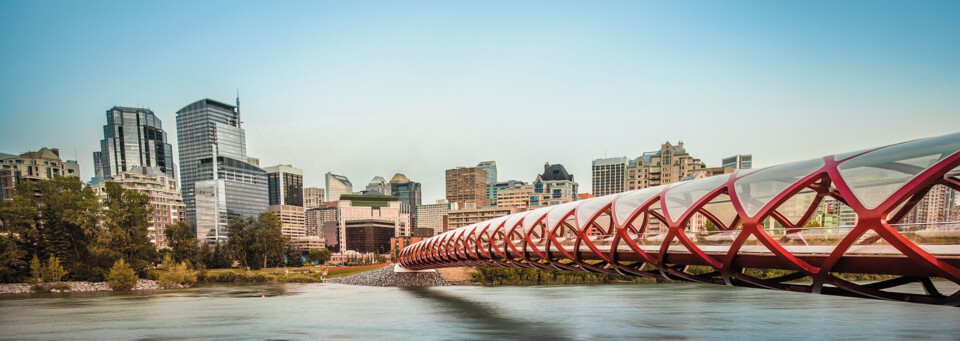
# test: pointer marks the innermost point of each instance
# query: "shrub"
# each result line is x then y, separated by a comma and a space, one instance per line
121, 276
177, 275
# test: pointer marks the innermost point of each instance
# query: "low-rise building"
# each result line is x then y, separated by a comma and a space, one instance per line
472, 214
431, 216
365, 207
369, 235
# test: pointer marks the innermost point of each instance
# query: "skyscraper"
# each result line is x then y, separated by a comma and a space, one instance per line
467, 184
491, 168
379, 185
132, 137
337, 185
216, 181
739, 161
408, 192
608, 175
285, 185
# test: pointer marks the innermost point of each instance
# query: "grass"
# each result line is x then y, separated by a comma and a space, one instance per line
303, 274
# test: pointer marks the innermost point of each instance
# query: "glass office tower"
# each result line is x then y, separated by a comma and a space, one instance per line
132, 137
216, 181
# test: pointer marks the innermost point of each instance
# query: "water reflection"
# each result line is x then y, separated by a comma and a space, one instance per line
488, 321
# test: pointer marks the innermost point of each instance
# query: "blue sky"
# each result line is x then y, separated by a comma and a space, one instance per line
374, 88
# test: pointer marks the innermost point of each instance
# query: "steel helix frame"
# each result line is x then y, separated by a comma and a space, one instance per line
759, 219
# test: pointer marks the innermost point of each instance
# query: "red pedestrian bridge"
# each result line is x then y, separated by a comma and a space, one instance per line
811, 226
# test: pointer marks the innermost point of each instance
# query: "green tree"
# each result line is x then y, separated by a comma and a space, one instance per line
36, 270
269, 241
242, 239
183, 241
12, 259
319, 256
56, 217
219, 258
121, 277
257, 243
294, 256
53, 271
127, 217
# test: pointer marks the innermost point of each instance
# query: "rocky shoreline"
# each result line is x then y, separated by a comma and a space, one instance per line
24, 288
385, 277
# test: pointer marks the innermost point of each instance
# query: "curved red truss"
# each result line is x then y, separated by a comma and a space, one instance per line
727, 229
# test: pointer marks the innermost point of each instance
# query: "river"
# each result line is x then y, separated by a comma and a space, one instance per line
332, 311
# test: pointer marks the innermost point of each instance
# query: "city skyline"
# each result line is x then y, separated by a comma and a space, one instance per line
609, 79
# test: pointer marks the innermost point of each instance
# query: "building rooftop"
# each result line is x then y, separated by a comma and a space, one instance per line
555, 172
399, 178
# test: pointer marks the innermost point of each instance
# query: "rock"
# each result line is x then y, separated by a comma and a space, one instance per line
385, 277
23, 288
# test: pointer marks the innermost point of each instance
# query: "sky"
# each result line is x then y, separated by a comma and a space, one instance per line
368, 88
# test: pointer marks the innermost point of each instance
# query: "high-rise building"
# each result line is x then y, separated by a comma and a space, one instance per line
312, 197
608, 175
378, 185
467, 185
33, 166
408, 192
738, 162
337, 185
936, 206
491, 168
285, 185
667, 165
430, 216
316, 216
217, 182
132, 137
164, 196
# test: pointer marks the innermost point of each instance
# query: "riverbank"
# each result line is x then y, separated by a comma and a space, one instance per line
24, 288
386, 277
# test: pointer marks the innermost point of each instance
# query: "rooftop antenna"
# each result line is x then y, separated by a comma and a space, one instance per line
238, 106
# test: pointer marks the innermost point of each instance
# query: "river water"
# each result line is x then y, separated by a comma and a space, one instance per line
332, 311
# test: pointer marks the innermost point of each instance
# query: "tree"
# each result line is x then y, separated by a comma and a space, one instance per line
270, 242
319, 256
220, 258
57, 217
242, 239
183, 241
121, 277
294, 256
12, 259
36, 270
127, 217
53, 272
